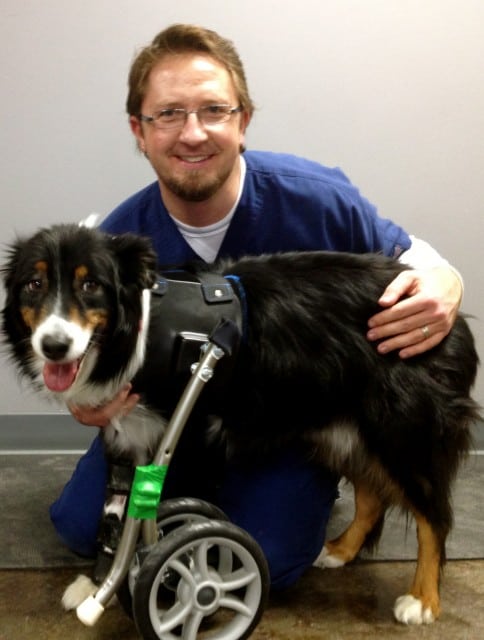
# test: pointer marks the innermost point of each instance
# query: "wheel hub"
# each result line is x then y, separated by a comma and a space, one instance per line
206, 596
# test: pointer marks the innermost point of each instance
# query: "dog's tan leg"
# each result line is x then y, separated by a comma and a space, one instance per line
422, 604
343, 549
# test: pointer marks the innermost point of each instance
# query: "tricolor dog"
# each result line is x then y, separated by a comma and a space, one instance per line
81, 319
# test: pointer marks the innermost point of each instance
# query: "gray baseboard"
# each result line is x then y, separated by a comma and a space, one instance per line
43, 432
59, 432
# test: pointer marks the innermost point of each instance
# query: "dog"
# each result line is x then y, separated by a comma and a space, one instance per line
81, 319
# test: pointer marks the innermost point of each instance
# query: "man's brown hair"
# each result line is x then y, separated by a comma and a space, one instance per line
186, 38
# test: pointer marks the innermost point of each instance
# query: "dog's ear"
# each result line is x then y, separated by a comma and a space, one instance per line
9, 270
136, 258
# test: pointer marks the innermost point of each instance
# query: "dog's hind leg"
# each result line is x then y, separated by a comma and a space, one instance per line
369, 510
422, 604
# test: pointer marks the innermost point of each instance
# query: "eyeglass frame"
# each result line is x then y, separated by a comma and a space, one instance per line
152, 119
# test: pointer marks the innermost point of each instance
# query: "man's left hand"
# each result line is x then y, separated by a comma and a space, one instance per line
424, 316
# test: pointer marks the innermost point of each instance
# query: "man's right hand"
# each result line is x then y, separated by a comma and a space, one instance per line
119, 406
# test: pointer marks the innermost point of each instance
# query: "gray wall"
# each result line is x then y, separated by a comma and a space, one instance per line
392, 91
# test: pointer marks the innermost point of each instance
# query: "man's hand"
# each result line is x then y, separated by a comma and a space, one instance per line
119, 406
424, 316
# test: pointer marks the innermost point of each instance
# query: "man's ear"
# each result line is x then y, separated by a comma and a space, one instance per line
136, 258
137, 131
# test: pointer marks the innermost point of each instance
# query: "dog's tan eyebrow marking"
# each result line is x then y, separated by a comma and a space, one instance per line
41, 265
81, 272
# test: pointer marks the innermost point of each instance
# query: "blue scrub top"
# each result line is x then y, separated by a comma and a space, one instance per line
287, 204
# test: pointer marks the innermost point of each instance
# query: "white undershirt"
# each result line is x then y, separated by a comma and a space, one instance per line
206, 241
421, 255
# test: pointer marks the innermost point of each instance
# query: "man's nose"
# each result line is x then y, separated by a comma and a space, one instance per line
193, 130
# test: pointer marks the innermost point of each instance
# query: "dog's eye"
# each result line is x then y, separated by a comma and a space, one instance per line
34, 285
90, 286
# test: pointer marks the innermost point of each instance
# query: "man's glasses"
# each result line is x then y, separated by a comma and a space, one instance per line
208, 116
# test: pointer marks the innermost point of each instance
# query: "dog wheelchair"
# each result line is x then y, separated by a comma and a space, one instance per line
180, 568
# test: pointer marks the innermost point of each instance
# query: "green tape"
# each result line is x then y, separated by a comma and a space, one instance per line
146, 491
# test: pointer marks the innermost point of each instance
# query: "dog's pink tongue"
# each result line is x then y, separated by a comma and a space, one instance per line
59, 377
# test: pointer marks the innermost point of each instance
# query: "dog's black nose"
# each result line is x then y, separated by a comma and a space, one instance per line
55, 348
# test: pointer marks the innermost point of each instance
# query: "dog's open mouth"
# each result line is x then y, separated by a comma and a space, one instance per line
60, 377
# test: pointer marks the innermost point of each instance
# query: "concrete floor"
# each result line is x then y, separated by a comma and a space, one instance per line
352, 602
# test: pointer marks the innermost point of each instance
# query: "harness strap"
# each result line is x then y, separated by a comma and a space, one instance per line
243, 302
215, 288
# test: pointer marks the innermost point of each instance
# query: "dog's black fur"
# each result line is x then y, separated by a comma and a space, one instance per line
305, 372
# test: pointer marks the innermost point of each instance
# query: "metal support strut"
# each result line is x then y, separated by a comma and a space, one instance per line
220, 343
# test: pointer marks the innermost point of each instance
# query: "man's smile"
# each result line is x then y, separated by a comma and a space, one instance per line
194, 159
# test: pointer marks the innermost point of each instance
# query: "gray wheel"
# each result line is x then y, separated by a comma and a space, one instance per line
172, 513
204, 580
177, 511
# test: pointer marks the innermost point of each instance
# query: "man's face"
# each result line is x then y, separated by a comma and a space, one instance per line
193, 162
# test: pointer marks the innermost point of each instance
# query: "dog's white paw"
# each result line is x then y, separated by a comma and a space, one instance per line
409, 610
77, 592
326, 560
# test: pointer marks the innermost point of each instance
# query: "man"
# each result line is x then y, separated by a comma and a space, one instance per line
189, 108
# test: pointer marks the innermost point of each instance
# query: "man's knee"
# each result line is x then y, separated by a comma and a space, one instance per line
76, 513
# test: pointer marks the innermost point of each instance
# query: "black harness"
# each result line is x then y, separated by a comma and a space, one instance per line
186, 309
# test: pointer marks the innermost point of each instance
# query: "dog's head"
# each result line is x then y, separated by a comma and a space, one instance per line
70, 292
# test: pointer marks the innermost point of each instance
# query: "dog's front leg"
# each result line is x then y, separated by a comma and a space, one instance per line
119, 485
422, 604
369, 509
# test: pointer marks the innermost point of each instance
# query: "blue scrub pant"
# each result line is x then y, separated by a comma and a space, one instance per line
284, 504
